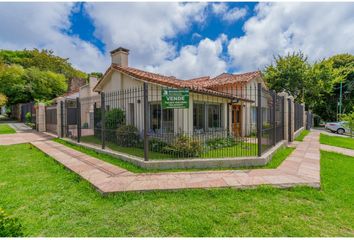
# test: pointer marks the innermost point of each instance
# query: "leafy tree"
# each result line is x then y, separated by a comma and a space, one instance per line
3, 100
290, 73
24, 85
44, 60
96, 74
13, 84
342, 67
349, 118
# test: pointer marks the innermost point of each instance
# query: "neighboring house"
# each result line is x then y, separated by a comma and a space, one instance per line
87, 99
209, 102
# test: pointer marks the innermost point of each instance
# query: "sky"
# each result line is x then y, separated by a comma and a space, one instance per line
186, 40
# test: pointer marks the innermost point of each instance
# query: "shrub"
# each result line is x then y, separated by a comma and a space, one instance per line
9, 227
157, 145
184, 146
28, 117
220, 142
127, 136
114, 118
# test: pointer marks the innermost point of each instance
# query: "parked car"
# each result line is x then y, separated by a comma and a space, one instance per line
337, 127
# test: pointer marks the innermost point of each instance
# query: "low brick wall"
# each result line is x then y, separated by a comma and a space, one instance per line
189, 163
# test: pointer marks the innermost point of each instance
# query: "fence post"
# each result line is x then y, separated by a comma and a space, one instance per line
78, 123
103, 120
259, 118
291, 119
146, 140
274, 96
61, 119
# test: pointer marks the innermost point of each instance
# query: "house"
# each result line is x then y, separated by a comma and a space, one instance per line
215, 105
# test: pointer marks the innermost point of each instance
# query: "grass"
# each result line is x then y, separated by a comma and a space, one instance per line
138, 152
342, 142
6, 129
302, 135
243, 149
50, 201
276, 160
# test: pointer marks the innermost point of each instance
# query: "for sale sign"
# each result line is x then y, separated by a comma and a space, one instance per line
175, 98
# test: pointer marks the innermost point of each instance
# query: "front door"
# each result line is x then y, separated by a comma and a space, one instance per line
236, 120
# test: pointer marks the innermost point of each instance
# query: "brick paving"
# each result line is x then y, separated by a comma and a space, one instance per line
302, 167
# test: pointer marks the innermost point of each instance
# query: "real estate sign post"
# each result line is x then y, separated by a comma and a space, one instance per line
175, 98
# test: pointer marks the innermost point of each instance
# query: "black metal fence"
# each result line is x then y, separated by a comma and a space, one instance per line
134, 121
309, 120
28, 113
51, 118
298, 116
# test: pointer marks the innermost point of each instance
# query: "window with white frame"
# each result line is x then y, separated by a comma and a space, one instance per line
158, 124
206, 116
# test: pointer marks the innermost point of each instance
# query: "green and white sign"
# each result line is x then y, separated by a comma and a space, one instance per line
175, 98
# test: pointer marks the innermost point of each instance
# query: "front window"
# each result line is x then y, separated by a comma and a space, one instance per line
214, 116
156, 122
206, 116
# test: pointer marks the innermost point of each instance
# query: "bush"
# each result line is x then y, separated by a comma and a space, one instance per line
184, 146
157, 145
9, 227
85, 125
114, 118
127, 136
28, 117
220, 142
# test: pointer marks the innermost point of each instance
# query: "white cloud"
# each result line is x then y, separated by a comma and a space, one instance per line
144, 27
318, 29
42, 25
195, 61
226, 14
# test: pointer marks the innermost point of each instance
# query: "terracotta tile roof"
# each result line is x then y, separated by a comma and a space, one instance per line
226, 78
169, 81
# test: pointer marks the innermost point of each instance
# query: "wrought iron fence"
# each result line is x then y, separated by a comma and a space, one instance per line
298, 116
51, 118
134, 121
28, 112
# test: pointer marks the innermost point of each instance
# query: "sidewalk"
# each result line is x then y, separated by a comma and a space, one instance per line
302, 167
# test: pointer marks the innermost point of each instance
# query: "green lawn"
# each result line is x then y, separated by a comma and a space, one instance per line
6, 129
139, 152
302, 135
342, 142
241, 149
50, 201
276, 160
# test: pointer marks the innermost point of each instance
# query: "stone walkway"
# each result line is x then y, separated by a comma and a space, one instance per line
345, 151
302, 167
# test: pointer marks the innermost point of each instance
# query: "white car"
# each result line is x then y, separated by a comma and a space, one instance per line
337, 127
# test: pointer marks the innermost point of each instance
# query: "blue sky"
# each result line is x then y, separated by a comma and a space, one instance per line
212, 27
186, 40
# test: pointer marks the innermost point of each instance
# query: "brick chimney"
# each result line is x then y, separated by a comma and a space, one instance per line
120, 56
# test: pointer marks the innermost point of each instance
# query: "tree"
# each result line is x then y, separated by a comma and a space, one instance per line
23, 85
44, 60
3, 100
349, 118
342, 68
290, 73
